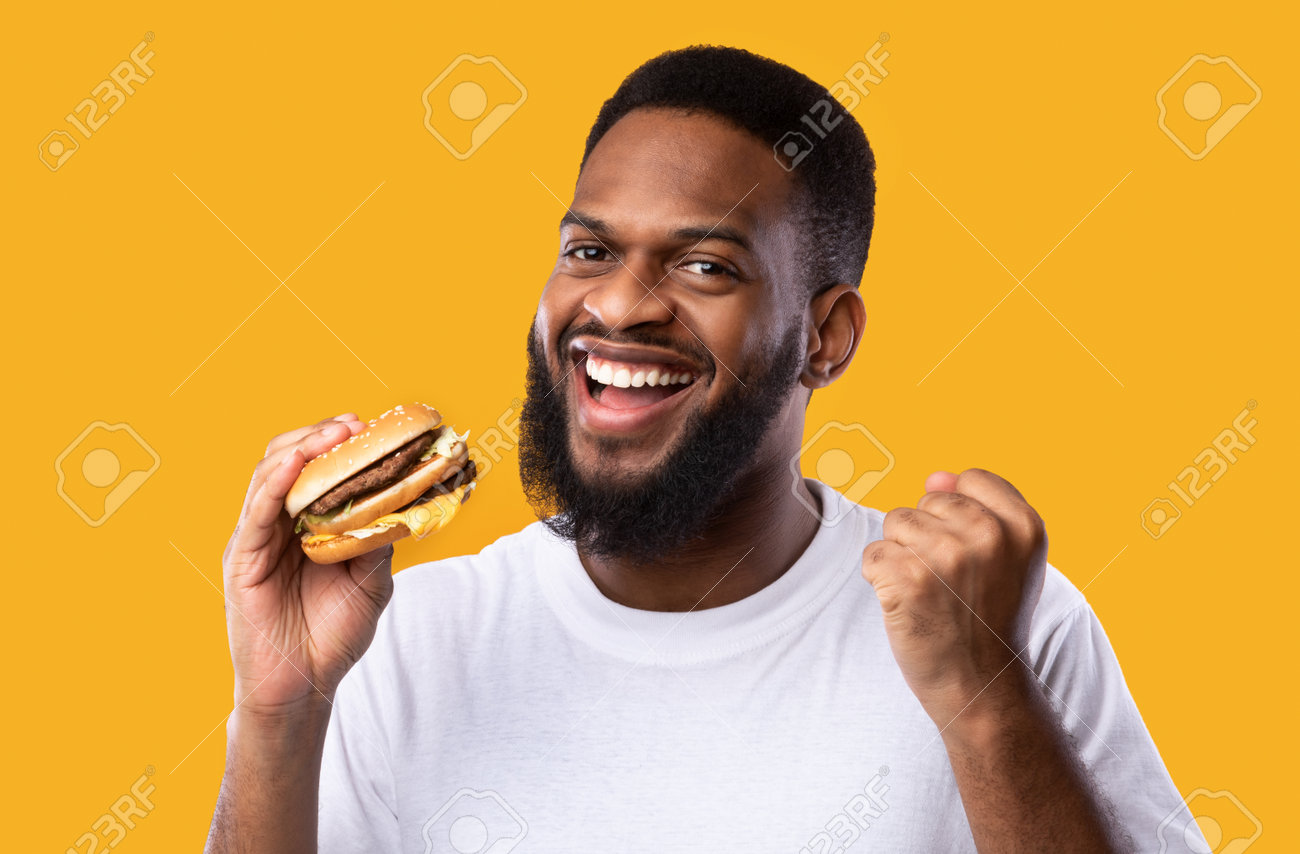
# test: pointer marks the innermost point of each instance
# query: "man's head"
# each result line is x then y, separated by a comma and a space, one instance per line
702, 291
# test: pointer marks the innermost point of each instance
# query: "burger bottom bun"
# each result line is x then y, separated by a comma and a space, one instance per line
441, 508
341, 548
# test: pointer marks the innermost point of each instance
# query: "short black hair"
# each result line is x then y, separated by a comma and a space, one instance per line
770, 100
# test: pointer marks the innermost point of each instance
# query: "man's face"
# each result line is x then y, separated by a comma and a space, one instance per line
676, 286
697, 212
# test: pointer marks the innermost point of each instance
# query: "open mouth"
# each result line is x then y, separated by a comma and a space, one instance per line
632, 385
623, 389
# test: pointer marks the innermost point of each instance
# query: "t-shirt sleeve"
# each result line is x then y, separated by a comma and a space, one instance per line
1086, 687
357, 802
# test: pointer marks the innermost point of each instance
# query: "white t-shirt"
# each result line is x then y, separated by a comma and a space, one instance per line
506, 705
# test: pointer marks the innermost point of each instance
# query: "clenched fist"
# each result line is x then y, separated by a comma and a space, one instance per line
958, 578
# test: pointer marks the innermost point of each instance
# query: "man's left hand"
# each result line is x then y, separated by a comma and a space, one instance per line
958, 578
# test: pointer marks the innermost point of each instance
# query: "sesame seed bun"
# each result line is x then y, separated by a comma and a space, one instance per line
393, 494
382, 436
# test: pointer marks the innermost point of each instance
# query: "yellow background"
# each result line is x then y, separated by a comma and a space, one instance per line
120, 283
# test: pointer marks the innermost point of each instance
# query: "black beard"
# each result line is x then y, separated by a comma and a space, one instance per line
648, 518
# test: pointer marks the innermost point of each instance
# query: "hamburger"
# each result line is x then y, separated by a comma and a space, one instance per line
406, 473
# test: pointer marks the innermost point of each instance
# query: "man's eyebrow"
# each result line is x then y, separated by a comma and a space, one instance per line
593, 224
716, 232
697, 233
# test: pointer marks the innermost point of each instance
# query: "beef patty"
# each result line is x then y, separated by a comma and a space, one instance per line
380, 473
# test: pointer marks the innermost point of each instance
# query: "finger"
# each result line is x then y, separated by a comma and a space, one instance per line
312, 441
373, 574
272, 480
881, 560
263, 512
998, 495
941, 481
952, 506
909, 526
292, 436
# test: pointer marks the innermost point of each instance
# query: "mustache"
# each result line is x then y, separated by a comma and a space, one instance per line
691, 348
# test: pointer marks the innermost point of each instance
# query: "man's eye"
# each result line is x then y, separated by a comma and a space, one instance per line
588, 253
707, 268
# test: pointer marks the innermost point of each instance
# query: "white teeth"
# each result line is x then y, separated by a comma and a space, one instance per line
606, 373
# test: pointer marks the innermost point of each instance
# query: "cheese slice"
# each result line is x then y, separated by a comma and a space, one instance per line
422, 519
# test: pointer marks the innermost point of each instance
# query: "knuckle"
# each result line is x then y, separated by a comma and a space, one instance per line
905, 516
949, 548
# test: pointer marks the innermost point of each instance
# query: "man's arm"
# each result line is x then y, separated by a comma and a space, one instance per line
269, 792
1023, 784
295, 629
958, 578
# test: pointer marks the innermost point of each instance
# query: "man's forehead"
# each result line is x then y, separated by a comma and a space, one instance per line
657, 166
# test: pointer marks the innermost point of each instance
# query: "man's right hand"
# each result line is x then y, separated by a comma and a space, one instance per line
295, 627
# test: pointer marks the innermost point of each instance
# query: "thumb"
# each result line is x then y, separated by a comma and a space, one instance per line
941, 481
373, 573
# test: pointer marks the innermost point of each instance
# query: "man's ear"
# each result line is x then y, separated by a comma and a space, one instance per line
836, 320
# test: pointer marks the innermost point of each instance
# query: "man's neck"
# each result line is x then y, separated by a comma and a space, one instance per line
761, 534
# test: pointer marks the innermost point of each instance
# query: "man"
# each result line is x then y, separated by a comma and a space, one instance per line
683, 657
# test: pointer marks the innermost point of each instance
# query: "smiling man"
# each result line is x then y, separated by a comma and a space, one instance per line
680, 656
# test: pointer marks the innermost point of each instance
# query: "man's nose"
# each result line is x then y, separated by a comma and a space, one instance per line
623, 297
